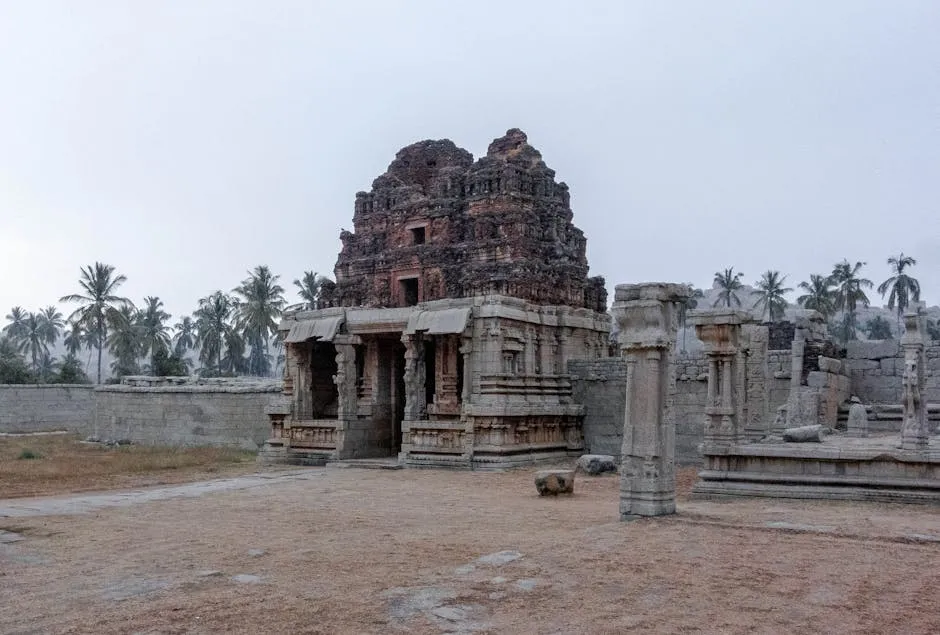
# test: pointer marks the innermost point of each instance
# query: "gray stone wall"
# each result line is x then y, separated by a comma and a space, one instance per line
149, 411
44, 407
184, 415
600, 385
875, 368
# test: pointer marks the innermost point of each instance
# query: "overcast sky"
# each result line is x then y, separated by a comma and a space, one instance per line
187, 141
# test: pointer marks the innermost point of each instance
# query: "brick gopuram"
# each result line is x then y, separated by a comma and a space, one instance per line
460, 296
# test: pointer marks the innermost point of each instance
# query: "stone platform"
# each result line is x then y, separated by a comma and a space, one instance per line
845, 468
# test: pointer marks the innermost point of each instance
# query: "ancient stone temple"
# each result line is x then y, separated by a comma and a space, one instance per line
460, 296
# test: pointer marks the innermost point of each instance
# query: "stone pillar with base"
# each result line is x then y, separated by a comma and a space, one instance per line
720, 331
414, 378
914, 430
647, 315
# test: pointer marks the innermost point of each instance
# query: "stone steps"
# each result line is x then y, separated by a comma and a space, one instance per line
390, 463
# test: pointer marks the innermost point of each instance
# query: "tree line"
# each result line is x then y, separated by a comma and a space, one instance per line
836, 295
229, 334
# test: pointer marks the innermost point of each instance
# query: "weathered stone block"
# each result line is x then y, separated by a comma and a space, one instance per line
872, 349
803, 434
554, 482
595, 464
817, 379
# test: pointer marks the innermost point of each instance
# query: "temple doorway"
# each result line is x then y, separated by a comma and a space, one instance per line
389, 399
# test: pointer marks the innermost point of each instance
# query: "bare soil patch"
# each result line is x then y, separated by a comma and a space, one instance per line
426, 551
60, 464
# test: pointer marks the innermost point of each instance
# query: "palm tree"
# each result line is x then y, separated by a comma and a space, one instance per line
261, 301
729, 283
74, 339
100, 303
308, 288
819, 296
47, 367
212, 328
185, 337
849, 293
902, 288
53, 323
16, 317
687, 305
33, 338
770, 292
154, 333
126, 341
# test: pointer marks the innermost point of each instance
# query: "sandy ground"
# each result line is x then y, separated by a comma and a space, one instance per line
376, 551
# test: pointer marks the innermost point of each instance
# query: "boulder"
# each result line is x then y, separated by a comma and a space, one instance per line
595, 464
803, 434
554, 482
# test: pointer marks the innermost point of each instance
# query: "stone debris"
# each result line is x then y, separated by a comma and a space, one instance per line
254, 553
554, 482
526, 585
209, 573
594, 464
499, 558
247, 578
803, 434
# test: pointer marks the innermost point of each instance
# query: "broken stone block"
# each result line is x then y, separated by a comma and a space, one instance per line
803, 434
595, 464
554, 482
857, 425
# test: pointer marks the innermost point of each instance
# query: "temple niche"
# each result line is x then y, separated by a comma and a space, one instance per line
460, 295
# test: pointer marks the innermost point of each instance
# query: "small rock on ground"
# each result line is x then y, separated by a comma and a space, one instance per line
499, 558
594, 464
554, 482
254, 553
246, 578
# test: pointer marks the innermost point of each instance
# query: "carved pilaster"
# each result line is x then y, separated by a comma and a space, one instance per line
648, 318
345, 380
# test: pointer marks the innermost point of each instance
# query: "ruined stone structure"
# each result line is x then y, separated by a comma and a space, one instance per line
647, 315
914, 431
460, 297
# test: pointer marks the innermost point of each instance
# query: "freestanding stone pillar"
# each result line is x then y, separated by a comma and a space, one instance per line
647, 315
720, 331
914, 431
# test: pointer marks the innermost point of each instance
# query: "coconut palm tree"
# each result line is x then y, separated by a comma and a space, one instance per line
16, 318
901, 288
33, 338
100, 303
261, 300
53, 323
849, 293
770, 295
728, 283
308, 288
819, 296
185, 337
213, 328
125, 342
154, 332
47, 367
74, 339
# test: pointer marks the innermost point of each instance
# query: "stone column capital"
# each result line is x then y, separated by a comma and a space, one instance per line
647, 314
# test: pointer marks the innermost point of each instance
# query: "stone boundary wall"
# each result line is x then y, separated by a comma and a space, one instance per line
185, 415
875, 368
47, 407
601, 386
217, 413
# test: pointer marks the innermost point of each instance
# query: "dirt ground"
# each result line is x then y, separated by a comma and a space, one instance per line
378, 551
32, 465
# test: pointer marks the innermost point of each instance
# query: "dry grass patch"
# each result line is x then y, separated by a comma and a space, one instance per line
58, 464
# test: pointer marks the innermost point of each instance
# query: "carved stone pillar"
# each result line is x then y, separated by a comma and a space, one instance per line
914, 431
720, 331
415, 405
345, 380
648, 318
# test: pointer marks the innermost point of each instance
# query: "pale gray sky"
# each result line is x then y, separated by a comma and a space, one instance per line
187, 141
